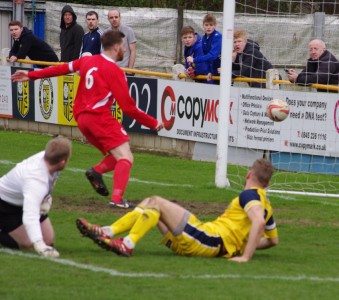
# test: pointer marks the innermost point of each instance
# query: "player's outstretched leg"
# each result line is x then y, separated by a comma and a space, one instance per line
97, 182
115, 245
89, 230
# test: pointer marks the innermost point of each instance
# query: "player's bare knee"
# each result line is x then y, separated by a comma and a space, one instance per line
24, 245
274, 242
152, 202
49, 241
131, 158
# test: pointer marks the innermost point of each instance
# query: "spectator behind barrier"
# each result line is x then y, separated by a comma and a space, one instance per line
70, 36
322, 67
193, 47
211, 45
91, 43
248, 61
114, 17
27, 44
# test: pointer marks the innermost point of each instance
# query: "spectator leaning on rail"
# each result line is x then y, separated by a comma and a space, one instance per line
248, 61
193, 47
91, 42
322, 66
114, 17
211, 45
27, 44
70, 36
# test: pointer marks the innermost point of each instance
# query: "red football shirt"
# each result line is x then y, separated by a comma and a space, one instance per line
101, 83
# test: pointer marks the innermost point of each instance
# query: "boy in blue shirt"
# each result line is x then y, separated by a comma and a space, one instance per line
211, 46
193, 47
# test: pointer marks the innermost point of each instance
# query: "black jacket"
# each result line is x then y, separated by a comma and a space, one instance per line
30, 45
251, 63
70, 37
324, 70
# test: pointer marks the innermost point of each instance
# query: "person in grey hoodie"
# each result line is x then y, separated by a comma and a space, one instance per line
70, 36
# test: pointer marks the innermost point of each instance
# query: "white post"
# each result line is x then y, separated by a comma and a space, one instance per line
225, 93
272, 74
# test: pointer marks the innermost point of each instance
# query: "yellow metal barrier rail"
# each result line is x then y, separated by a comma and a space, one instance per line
198, 77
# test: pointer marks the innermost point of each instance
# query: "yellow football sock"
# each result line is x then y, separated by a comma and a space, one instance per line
145, 222
127, 221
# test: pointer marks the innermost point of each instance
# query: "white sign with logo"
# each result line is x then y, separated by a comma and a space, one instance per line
310, 127
6, 109
45, 95
190, 111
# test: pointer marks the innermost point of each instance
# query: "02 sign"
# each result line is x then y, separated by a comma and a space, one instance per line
144, 91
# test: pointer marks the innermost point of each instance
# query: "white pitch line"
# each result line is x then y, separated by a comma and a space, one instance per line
132, 179
115, 273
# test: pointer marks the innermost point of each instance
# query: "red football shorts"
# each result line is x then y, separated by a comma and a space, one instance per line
102, 131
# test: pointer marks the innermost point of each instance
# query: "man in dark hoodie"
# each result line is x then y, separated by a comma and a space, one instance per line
322, 66
70, 36
248, 61
27, 44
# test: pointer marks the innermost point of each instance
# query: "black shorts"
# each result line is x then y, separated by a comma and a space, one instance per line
11, 216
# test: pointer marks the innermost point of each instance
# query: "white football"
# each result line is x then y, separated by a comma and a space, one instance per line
277, 110
86, 54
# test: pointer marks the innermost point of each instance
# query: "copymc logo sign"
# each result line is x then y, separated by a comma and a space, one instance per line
336, 116
168, 98
195, 109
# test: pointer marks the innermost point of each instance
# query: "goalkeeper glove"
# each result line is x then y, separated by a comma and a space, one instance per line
42, 249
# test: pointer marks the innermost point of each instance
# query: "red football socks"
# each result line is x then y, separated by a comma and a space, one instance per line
106, 165
120, 179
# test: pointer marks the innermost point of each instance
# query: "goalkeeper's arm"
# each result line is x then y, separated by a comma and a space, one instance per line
42, 249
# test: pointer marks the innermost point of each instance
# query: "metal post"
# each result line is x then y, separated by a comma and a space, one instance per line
318, 25
18, 10
221, 179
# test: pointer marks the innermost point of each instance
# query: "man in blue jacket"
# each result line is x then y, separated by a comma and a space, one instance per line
211, 46
193, 47
27, 44
91, 43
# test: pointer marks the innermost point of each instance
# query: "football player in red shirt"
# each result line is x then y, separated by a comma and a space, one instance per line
101, 83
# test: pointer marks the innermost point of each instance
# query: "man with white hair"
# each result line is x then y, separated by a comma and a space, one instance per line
322, 66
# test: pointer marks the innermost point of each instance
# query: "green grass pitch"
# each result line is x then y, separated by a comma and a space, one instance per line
304, 265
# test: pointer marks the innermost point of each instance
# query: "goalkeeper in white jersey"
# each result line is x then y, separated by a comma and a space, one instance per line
25, 199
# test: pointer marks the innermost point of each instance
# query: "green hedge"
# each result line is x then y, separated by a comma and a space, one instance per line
211, 5
248, 6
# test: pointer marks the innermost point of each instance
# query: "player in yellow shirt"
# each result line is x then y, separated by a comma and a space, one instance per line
246, 225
